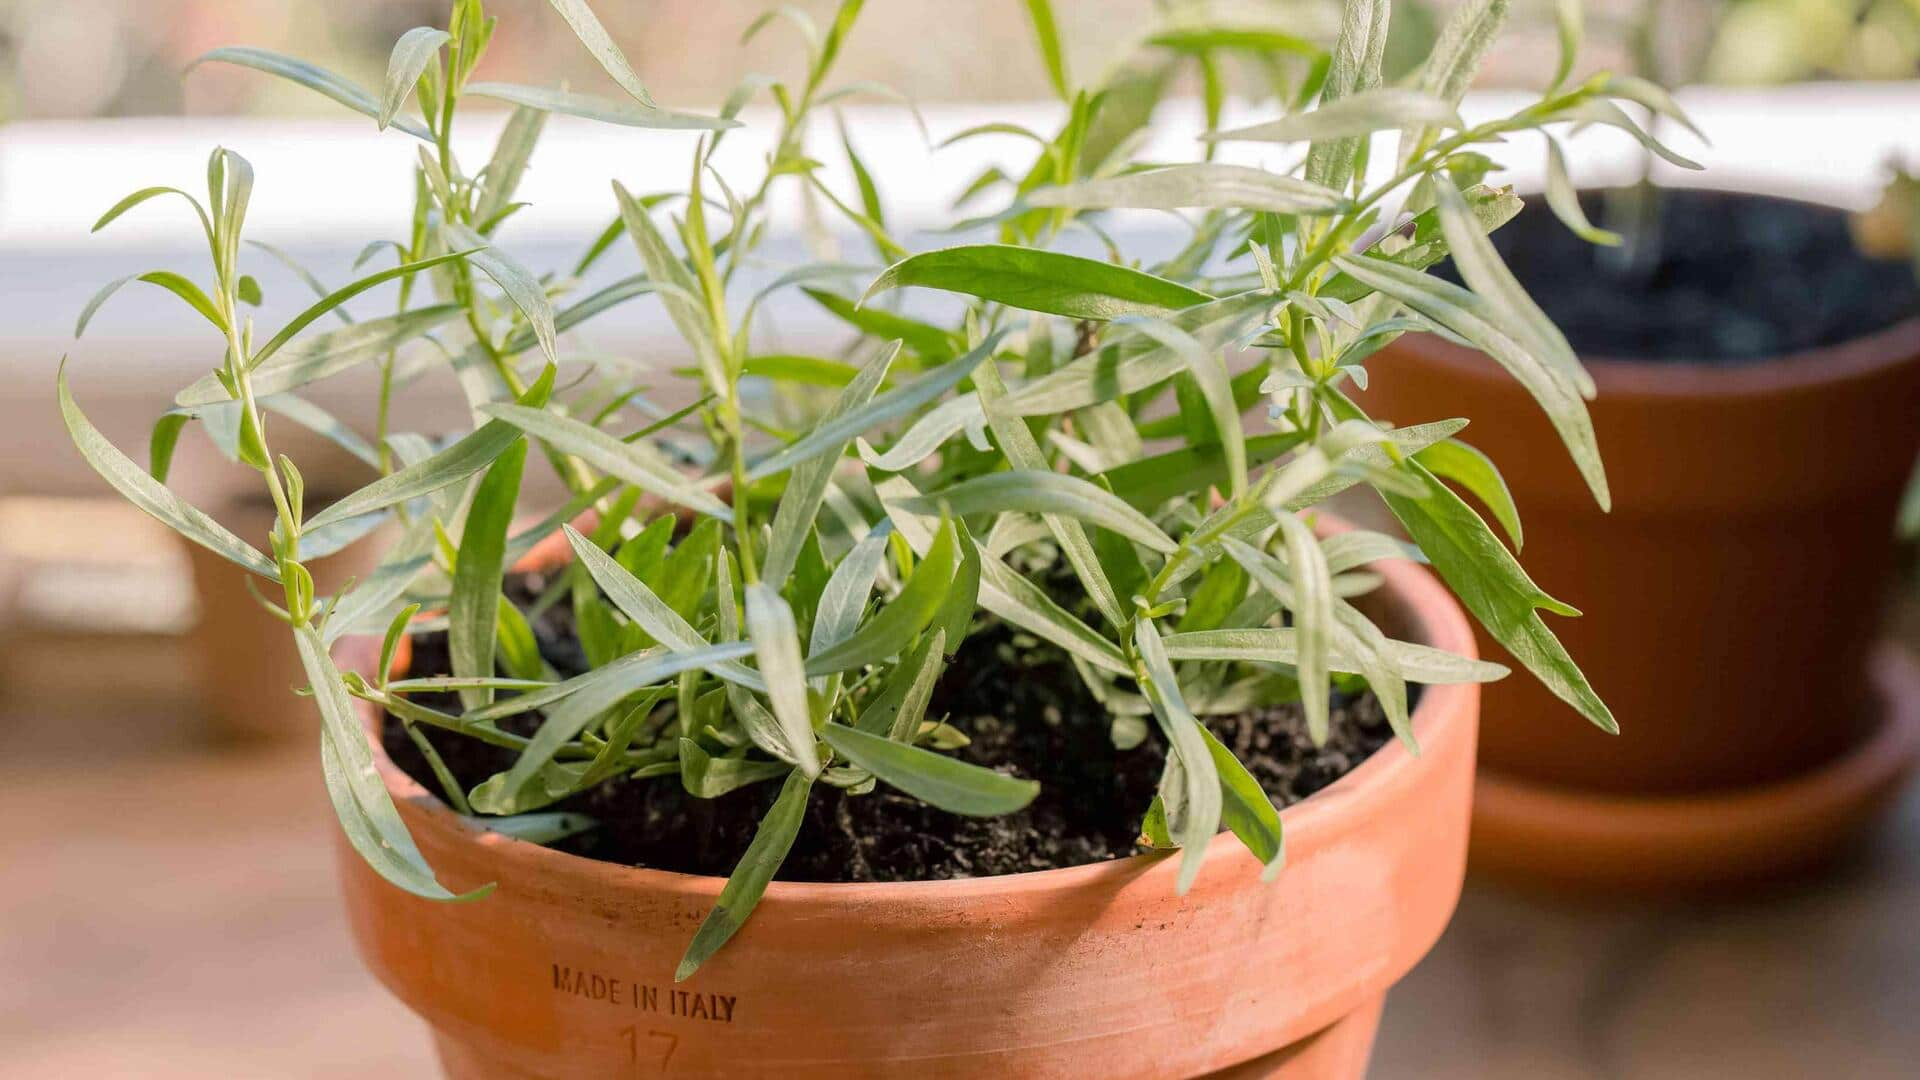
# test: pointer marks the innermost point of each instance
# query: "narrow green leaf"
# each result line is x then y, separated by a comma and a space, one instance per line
635, 463
1036, 280
892, 629
1354, 68
1493, 586
1200, 811
342, 295
457, 462
1044, 492
1247, 810
1382, 109
586, 26
326, 355
807, 486
1414, 662
411, 55
936, 779
749, 879
708, 777
314, 78
896, 711
143, 491
514, 279
923, 338
508, 165
360, 798
890, 406
682, 291
473, 605
145, 194
1563, 198
1046, 34
1456, 461
1207, 186
605, 110
776, 643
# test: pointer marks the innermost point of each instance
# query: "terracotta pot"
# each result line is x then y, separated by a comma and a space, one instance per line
1099, 970
247, 662
1731, 600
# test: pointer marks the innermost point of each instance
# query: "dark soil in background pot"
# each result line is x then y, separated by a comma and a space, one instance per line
1032, 719
1739, 278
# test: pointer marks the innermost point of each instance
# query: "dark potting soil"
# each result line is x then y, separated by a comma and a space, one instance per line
1027, 713
1738, 278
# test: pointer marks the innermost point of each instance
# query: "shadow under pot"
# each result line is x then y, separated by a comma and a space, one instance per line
1758, 411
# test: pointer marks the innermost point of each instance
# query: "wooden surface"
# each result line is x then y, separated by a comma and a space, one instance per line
169, 911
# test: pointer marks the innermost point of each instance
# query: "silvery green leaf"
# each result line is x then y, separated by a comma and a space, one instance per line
1195, 187
322, 423
1045, 492
1415, 663
927, 434
1564, 199
317, 79
748, 882
320, 543
543, 829
1570, 24
1652, 96
807, 486
143, 491
1035, 280
1382, 109
936, 779
1354, 68
636, 462
844, 599
664, 268
586, 26
605, 110
1312, 611
1357, 547
627, 671
776, 643
901, 703
1463, 42
1209, 370
515, 280
1541, 343
1607, 114
145, 194
411, 55
1022, 451
360, 800
342, 295
1474, 318
895, 625
166, 279
509, 162
1202, 805
646, 609
366, 605
473, 604
457, 462
890, 406
1005, 593
1132, 359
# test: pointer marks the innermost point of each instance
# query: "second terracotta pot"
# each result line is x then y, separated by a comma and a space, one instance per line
1731, 599
1101, 970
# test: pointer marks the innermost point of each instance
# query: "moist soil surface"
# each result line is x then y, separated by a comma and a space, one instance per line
1737, 278
1027, 713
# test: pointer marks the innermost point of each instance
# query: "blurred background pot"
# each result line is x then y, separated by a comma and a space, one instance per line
565, 970
1732, 597
246, 659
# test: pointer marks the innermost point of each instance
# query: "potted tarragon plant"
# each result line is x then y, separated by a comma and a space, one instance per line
948, 729
1759, 378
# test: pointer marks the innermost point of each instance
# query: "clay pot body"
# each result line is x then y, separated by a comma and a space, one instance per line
1100, 970
246, 658
1731, 597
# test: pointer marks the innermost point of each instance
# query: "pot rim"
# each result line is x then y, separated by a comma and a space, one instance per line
1429, 614
1858, 357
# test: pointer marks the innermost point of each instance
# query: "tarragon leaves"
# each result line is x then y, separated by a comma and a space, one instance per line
317, 79
939, 780
748, 883
1041, 492
586, 26
411, 55
1195, 187
143, 491
636, 463
776, 643
1362, 114
1195, 817
1036, 280
623, 113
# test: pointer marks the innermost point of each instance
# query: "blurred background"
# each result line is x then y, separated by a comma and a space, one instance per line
171, 909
